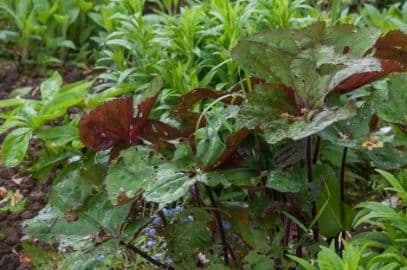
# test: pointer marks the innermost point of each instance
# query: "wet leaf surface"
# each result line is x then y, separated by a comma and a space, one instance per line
393, 46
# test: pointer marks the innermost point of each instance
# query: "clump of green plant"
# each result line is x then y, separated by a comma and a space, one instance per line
381, 248
44, 32
390, 18
46, 119
191, 48
11, 201
239, 178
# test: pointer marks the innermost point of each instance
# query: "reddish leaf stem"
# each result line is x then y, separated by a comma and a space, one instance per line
195, 193
220, 225
342, 185
308, 158
316, 151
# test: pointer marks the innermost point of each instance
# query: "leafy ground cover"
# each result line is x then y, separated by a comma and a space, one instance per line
214, 134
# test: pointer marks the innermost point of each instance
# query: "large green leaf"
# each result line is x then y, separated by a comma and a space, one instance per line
186, 238
68, 96
209, 145
268, 54
287, 181
330, 221
58, 136
98, 214
15, 146
70, 190
10, 124
12, 102
315, 122
267, 62
41, 259
387, 157
51, 227
313, 61
130, 175
100, 211
257, 261
256, 238
351, 39
23, 115
266, 104
169, 185
353, 133
318, 71
227, 178
391, 103
50, 87
292, 40
271, 110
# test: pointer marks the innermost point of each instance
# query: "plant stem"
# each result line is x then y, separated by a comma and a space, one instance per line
287, 231
220, 225
163, 218
316, 151
145, 255
342, 184
195, 193
308, 158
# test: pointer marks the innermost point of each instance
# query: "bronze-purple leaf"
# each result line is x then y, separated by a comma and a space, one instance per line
159, 134
232, 143
112, 123
107, 124
360, 79
393, 46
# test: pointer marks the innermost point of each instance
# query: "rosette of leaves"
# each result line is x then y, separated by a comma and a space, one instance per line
30, 118
302, 68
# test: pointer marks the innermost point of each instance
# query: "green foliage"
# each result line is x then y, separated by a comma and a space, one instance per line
384, 249
13, 202
239, 179
389, 102
43, 32
32, 118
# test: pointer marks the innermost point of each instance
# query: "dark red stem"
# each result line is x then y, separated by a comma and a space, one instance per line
220, 225
308, 158
342, 183
316, 151
145, 256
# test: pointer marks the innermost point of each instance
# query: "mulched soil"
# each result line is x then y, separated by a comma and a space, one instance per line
34, 192
10, 223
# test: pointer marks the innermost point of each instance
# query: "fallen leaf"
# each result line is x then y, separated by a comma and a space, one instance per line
24, 259
16, 198
16, 180
3, 193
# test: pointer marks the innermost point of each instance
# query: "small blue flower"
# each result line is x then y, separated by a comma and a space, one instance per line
178, 209
158, 256
151, 231
100, 257
151, 243
156, 220
169, 261
167, 213
190, 218
226, 225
